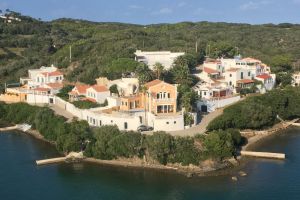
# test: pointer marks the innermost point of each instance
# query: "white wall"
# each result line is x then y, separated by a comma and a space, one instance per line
101, 96
95, 118
39, 99
212, 105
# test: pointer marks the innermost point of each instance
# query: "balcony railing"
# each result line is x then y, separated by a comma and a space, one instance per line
167, 100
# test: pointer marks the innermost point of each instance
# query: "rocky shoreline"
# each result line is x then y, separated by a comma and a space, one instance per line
207, 168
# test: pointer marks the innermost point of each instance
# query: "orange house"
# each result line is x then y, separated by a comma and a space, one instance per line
131, 103
160, 98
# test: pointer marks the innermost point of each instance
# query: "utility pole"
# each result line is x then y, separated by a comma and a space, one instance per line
70, 54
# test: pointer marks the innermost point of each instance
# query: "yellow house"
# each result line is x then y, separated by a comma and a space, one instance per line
159, 98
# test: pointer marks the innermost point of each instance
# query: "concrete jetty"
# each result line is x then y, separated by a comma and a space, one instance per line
9, 128
21, 127
296, 124
51, 161
263, 154
71, 157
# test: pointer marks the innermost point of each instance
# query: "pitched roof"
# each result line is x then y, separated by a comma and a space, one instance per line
55, 85
152, 83
81, 88
245, 81
55, 73
264, 76
210, 71
249, 59
100, 88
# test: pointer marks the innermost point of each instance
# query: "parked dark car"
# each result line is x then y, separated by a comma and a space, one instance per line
142, 128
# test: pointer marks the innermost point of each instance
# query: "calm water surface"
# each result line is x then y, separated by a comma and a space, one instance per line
20, 178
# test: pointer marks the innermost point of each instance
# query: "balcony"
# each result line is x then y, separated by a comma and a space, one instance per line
167, 100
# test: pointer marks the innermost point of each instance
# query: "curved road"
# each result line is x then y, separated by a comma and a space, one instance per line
200, 128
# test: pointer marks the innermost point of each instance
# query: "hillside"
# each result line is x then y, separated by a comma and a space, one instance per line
32, 43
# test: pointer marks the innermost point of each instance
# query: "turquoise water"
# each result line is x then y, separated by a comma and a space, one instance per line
20, 178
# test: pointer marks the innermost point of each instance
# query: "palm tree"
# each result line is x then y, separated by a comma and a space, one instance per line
144, 91
158, 68
144, 74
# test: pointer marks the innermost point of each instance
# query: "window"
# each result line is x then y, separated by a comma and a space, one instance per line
167, 122
157, 95
230, 83
242, 75
174, 122
204, 93
111, 121
249, 73
125, 125
169, 96
94, 121
165, 94
100, 123
57, 78
230, 75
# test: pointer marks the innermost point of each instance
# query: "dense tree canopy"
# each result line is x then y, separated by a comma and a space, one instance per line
99, 49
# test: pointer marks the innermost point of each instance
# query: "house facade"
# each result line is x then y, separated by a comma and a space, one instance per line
41, 77
238, 73
166, 58
97, 93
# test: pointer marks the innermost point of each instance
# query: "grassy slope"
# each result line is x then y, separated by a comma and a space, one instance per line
95, 45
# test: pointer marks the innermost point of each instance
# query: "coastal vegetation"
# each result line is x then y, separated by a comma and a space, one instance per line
108, 142
258, 112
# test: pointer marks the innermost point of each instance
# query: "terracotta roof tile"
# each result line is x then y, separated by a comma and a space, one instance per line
81, 88
210, 71
55, 73
152, 83
55, 85
100, 88
264, 76
245, 81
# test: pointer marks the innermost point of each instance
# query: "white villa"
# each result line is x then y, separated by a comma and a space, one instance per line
41, 77
238, 73
97, 93
223, 78
166, 58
